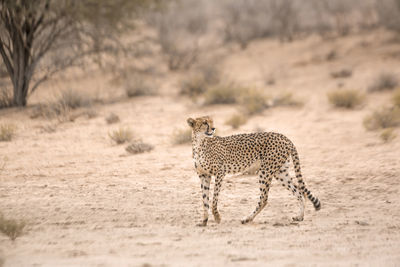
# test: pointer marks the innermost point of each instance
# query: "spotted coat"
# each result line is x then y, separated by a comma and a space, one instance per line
217, 156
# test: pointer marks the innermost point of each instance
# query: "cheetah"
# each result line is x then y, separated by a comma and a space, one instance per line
217, 156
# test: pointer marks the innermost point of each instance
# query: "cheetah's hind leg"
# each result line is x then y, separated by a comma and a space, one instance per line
265, 178
284, 177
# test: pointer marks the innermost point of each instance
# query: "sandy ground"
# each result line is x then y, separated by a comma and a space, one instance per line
88, 203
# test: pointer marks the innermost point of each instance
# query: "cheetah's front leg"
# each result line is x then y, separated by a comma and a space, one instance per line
217, 189
205, 189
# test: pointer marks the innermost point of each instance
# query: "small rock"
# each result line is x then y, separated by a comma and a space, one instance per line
362, 223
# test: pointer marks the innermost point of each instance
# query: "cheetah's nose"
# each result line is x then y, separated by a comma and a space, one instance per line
213, 129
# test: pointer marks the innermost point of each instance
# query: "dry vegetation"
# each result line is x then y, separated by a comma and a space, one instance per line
11, 228
138, 85
194, 86
121, 136
197, 83
112, 118
138, 147
235, 121
347, 98
182, 136
74, 99
387, 135
287, 99
7, 132
5, 97
67, 101
343, 73
222, 93
92, 205
396, 98
385, 81
387, 117
254, 100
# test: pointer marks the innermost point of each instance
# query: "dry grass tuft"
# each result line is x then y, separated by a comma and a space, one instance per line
6, 99
194, 86
91, 113
139, 146
254, 100
11, 228
385, 81
73, 99
137, 85
197, 84
382, 119
67, 101
396, 98
287, 99
180, 137
112, 118
344, 73
7, 132
348, 98
222, 93
387, 135
122, 135
50, 110
236, 121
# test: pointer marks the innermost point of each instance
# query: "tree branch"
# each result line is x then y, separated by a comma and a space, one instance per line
6, 59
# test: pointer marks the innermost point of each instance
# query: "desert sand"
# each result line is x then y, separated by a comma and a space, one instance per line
87, 202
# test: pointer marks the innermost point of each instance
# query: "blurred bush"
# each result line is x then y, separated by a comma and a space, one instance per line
385, 81
235, 121
346, 98
387, 117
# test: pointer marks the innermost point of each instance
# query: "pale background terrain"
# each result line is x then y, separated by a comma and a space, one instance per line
88, 202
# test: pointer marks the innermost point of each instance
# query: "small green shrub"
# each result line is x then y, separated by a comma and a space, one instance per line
348, 98
7, 132
11, 228
236, 121
385, 81
180, 137
396, 98
122, 135
139, 147
382, 119
387, 135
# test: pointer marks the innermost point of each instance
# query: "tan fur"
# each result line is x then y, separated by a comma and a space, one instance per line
218, 156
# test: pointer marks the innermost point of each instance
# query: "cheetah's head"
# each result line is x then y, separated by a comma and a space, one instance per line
202, 127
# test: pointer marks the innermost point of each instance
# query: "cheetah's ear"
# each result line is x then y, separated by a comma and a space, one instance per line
190, 122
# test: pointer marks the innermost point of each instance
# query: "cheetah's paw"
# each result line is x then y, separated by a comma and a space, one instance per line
203, 223
298, 218
217, 217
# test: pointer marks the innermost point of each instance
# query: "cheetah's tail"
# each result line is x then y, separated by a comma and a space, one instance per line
302, 187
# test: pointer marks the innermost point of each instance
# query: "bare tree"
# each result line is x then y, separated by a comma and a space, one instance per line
389, 14
42, 37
